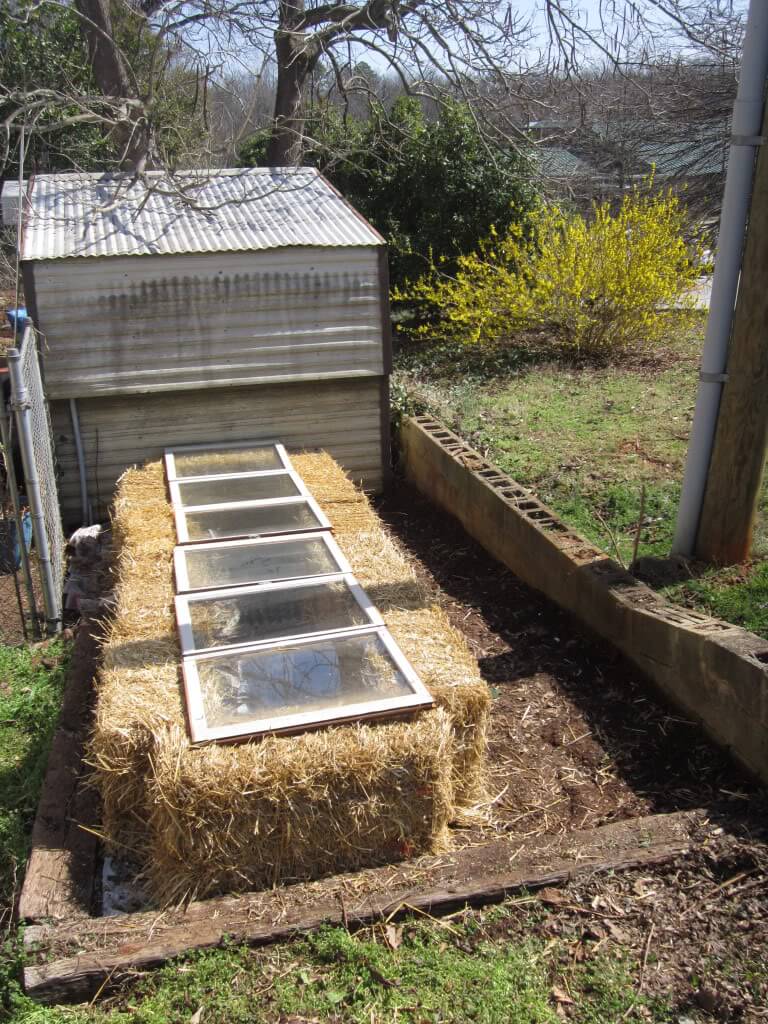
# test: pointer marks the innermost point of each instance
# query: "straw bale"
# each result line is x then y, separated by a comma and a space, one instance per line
346, 505
140, 655
420, 626
223, 818
338, 799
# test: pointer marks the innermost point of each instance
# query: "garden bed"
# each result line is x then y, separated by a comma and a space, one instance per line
578, 744
334, 799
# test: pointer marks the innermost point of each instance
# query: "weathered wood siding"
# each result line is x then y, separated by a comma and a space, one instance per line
137, 324
346, 417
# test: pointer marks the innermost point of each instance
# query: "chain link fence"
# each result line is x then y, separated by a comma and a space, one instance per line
19, 592
35, 442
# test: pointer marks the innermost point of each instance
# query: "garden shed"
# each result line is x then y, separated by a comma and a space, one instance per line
205, 307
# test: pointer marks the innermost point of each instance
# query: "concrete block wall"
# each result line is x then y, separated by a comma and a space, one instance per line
716, 673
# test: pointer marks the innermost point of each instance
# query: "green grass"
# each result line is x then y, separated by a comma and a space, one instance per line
589, 440
31, 681
436, 974
737, 594
585, 438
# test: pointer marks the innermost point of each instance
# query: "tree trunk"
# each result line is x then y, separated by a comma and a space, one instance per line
131, 131
294, 64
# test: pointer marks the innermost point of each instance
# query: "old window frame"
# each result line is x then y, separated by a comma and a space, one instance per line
418, 699
184, 621
169, 457
180, 514
174, 486
201, 733
181, 551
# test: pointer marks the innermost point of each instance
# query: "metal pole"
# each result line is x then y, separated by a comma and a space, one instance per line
13, 487
22, 408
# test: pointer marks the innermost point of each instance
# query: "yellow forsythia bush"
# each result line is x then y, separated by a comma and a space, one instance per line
594, 286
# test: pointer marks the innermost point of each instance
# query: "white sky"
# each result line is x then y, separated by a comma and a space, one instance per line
585, 12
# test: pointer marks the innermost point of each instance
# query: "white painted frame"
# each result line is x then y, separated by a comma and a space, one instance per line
201, 733
184, 449
174, 486
182, 532
184, 620
182, 575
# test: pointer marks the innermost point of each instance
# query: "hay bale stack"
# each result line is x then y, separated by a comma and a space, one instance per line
227, 818
346, 505
288, 809
437, 651
138, 686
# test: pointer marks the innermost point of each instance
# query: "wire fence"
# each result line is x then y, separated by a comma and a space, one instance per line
35, 447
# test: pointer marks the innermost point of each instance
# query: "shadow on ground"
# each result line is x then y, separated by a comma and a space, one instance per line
578, 736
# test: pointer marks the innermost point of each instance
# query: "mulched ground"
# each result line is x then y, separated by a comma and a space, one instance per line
697, 927
579, 739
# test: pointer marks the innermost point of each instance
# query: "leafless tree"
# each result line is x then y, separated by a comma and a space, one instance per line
114, 77
241, 54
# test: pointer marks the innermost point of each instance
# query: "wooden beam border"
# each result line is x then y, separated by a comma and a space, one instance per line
76, 959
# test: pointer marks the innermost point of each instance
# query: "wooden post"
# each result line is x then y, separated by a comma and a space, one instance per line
741, 438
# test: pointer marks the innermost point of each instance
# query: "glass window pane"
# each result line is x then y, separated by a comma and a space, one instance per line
271, 614
308, 677
227, 460
237, 488
255, 563
250, 521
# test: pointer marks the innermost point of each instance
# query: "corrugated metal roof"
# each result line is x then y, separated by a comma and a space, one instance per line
192, 212
557, 162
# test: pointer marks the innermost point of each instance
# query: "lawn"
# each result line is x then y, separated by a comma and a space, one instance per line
31, 682
422, 972
596, 442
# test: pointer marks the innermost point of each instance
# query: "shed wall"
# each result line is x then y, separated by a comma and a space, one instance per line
137, 324
348, 418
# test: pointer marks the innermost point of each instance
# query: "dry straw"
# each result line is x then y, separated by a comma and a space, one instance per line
251, 815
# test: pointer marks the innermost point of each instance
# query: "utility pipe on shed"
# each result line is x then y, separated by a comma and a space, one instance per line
745, 138
85, 505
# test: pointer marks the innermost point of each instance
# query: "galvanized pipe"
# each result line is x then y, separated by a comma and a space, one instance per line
21, 405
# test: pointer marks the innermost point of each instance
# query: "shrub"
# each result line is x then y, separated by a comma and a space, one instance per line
429, 186
594, 286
